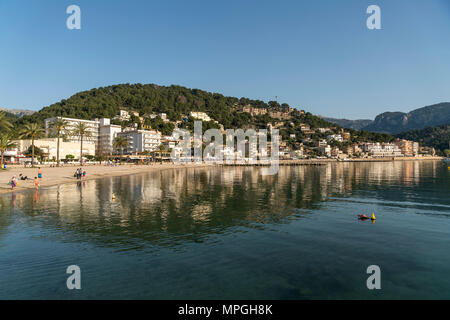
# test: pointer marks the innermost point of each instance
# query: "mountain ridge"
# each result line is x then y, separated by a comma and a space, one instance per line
397, 122
18, 112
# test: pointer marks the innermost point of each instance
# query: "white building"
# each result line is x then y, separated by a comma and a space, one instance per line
336, 137
322, 143
382, 149
107, 134
93, 128
200, 115
325, 150
141, 140
49, 147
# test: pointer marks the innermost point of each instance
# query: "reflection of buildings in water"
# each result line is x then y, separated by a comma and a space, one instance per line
161, 199
151, 189
201, 212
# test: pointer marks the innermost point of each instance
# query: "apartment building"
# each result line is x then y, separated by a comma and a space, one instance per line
408, 148
336, 137
93, 128
382, 149
107, 134
254, 111
283, 115
140, 141
325, 150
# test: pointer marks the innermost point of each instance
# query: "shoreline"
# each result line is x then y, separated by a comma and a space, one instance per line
53, 176
61, 175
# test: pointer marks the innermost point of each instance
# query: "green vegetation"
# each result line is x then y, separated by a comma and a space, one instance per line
6, 120
31, 131
58, 126
38, 152
177, 102
81, 130
5, 144
120, 143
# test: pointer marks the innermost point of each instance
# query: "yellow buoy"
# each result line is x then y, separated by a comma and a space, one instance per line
373, 217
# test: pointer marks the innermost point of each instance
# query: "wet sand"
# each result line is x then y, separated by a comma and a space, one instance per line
59, 175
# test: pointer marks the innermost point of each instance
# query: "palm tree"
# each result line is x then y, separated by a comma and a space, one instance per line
119, 143
58, 126
5, 143
146, 153
83, 131
5, 124
31, 131
161, 149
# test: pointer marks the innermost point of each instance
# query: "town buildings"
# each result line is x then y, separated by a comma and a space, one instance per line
140, 141
408, 148
93, 128
382, 149
107, 134
49, 148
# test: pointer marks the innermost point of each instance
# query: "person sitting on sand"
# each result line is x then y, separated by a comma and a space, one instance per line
22, 177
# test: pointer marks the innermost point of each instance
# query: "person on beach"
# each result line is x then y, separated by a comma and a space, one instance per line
22, 177
36, 183
13, 183
84, 174
40, 173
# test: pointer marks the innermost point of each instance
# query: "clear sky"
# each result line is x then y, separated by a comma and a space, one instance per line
317, 54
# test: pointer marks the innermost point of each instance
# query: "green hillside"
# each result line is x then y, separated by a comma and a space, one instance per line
177, 101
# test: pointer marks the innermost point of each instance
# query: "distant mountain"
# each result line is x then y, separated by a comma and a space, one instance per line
396, 122
350, 124
18, 112
437, 137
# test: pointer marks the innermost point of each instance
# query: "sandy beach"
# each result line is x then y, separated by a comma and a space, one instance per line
58, 175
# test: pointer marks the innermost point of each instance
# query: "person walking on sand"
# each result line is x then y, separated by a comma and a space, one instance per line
36, 183
40, 173
84, 174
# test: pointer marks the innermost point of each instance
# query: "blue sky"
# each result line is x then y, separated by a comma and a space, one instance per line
316, 55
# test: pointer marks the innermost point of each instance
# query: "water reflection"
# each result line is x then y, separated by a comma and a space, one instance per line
168, 207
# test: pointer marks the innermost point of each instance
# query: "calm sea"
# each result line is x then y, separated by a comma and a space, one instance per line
231, 233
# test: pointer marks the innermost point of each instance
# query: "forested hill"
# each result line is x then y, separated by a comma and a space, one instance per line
174, 100
177, 101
